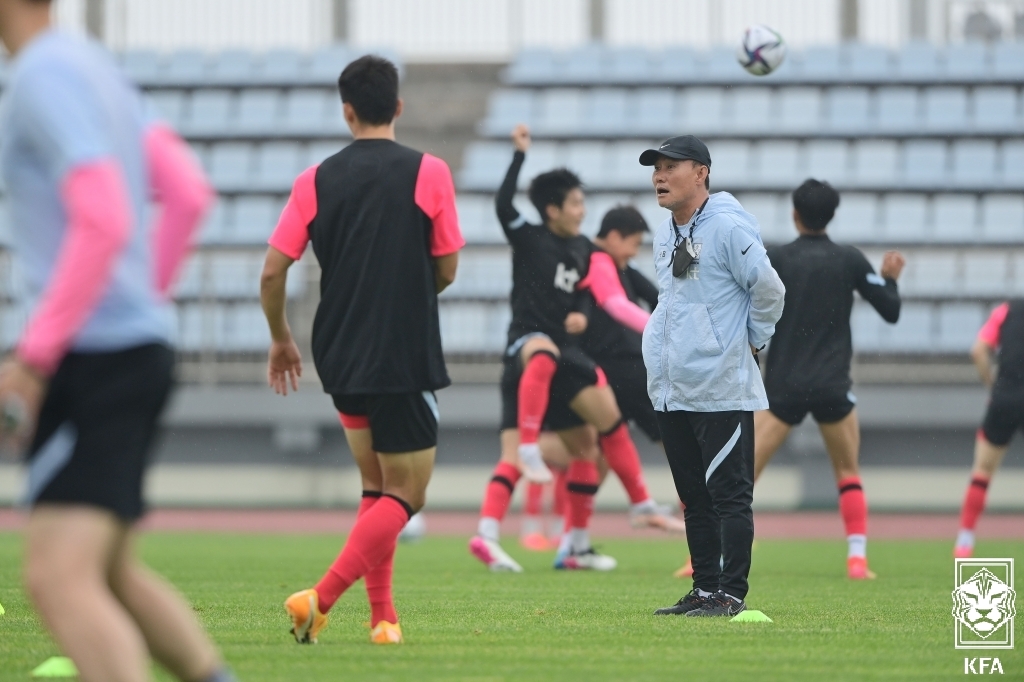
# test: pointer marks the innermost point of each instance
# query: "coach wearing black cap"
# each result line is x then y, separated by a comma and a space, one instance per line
718, 301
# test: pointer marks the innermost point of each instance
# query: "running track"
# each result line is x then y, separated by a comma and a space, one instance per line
797, 525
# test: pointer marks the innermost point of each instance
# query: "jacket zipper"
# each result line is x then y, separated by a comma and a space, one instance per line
664, 347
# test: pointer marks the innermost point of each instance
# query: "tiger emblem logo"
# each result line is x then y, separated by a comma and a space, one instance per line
984, 603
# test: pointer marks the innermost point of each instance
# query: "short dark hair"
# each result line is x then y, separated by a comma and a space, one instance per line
551, 189
815, 202
625, 220
370, 85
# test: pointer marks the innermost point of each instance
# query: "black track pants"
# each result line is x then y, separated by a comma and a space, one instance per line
712, 459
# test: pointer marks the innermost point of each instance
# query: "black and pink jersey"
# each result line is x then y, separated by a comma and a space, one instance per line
377, 213
1004, 331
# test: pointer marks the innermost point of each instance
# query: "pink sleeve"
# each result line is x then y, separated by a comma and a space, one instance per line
992, 331
95, 197
435, 195
292, 232
179, 186
603, 282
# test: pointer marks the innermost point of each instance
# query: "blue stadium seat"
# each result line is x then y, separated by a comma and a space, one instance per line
778, 164
142, 66
232, 67
773, 221
277, 165
955, 218
904, 217
945, 109
655, 111
703, 110
588, 160
304, 111
677, 65
560, 111
217, 223
482, 274
1002, 218
828, 160
820, 63
588, 64
917, 62
719, 64
751, 110
897, 109
320, 150
231, 165
604, 112
210, 112
967, 61
473, 327
867, 62
533, 65
731, 161
924, 163
875, 163
506, 109
625, 171
484, 165
933, 274
800, 109
1018, 268
255, 218
847, 109
986, 273
913, 333
259, 111
958, 324
856, 218
995, 109
597, 206
169, 105
281, 66
1012, 175
974, 163
543, 157
185, 67
1008, 60
630, 65
5, 225
478, 220
325, 65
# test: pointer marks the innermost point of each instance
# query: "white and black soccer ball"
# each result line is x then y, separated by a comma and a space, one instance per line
761, 50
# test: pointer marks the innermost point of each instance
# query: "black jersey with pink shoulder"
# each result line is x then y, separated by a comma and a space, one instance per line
377, 213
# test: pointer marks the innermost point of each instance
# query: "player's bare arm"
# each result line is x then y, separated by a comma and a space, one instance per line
981, 354
21, 394
445, 268
284, 362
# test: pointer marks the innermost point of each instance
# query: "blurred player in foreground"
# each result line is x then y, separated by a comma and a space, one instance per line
382, 221
809, 359
1003, 332
92, 371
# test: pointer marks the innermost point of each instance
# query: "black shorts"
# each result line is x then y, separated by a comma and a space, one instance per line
628, 378
398, 422
1004, 416
96, 429
826, 409
576, 371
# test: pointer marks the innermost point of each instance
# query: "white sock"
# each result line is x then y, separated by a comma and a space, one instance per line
556, 528
702, 593
965, 538
648, 506
565, 543
858, 546
735, 599
529, 455
580, 539
489, 529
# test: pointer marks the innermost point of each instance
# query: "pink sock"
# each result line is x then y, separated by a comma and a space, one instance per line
620, 452
499, 491
582, 480
974, 502
534, 499
853, 506
534, 391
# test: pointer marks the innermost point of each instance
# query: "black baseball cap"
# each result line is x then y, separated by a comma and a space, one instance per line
682, 147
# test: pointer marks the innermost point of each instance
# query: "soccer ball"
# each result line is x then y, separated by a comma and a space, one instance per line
414, 530
761, 50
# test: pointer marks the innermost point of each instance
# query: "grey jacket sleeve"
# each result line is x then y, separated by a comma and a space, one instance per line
752, 270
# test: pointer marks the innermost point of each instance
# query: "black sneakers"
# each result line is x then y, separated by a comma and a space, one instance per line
691, 602
718, 604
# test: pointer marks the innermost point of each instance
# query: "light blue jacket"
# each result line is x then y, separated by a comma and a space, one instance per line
696, 344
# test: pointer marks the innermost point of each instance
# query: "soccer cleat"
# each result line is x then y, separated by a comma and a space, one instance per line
686, 571
658, 516
536, 542
491, 554
585, 561
532, 464
691, 602
963, 552
857, 569
717, 605
304, 609
386, 633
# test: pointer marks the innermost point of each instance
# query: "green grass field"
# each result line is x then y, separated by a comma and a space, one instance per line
463, 623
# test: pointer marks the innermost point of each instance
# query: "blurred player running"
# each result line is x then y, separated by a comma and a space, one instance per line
809, 359
553, 267
93, 368
1002, 333
382, 221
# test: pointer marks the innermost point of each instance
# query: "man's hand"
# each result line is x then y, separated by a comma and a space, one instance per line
21, 395
521, 137
575, 323
892, 264
753, 351
284, 366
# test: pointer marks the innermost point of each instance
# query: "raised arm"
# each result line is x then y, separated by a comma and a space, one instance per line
178, 185
750, 267
880, 291
603, 281
508, 216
